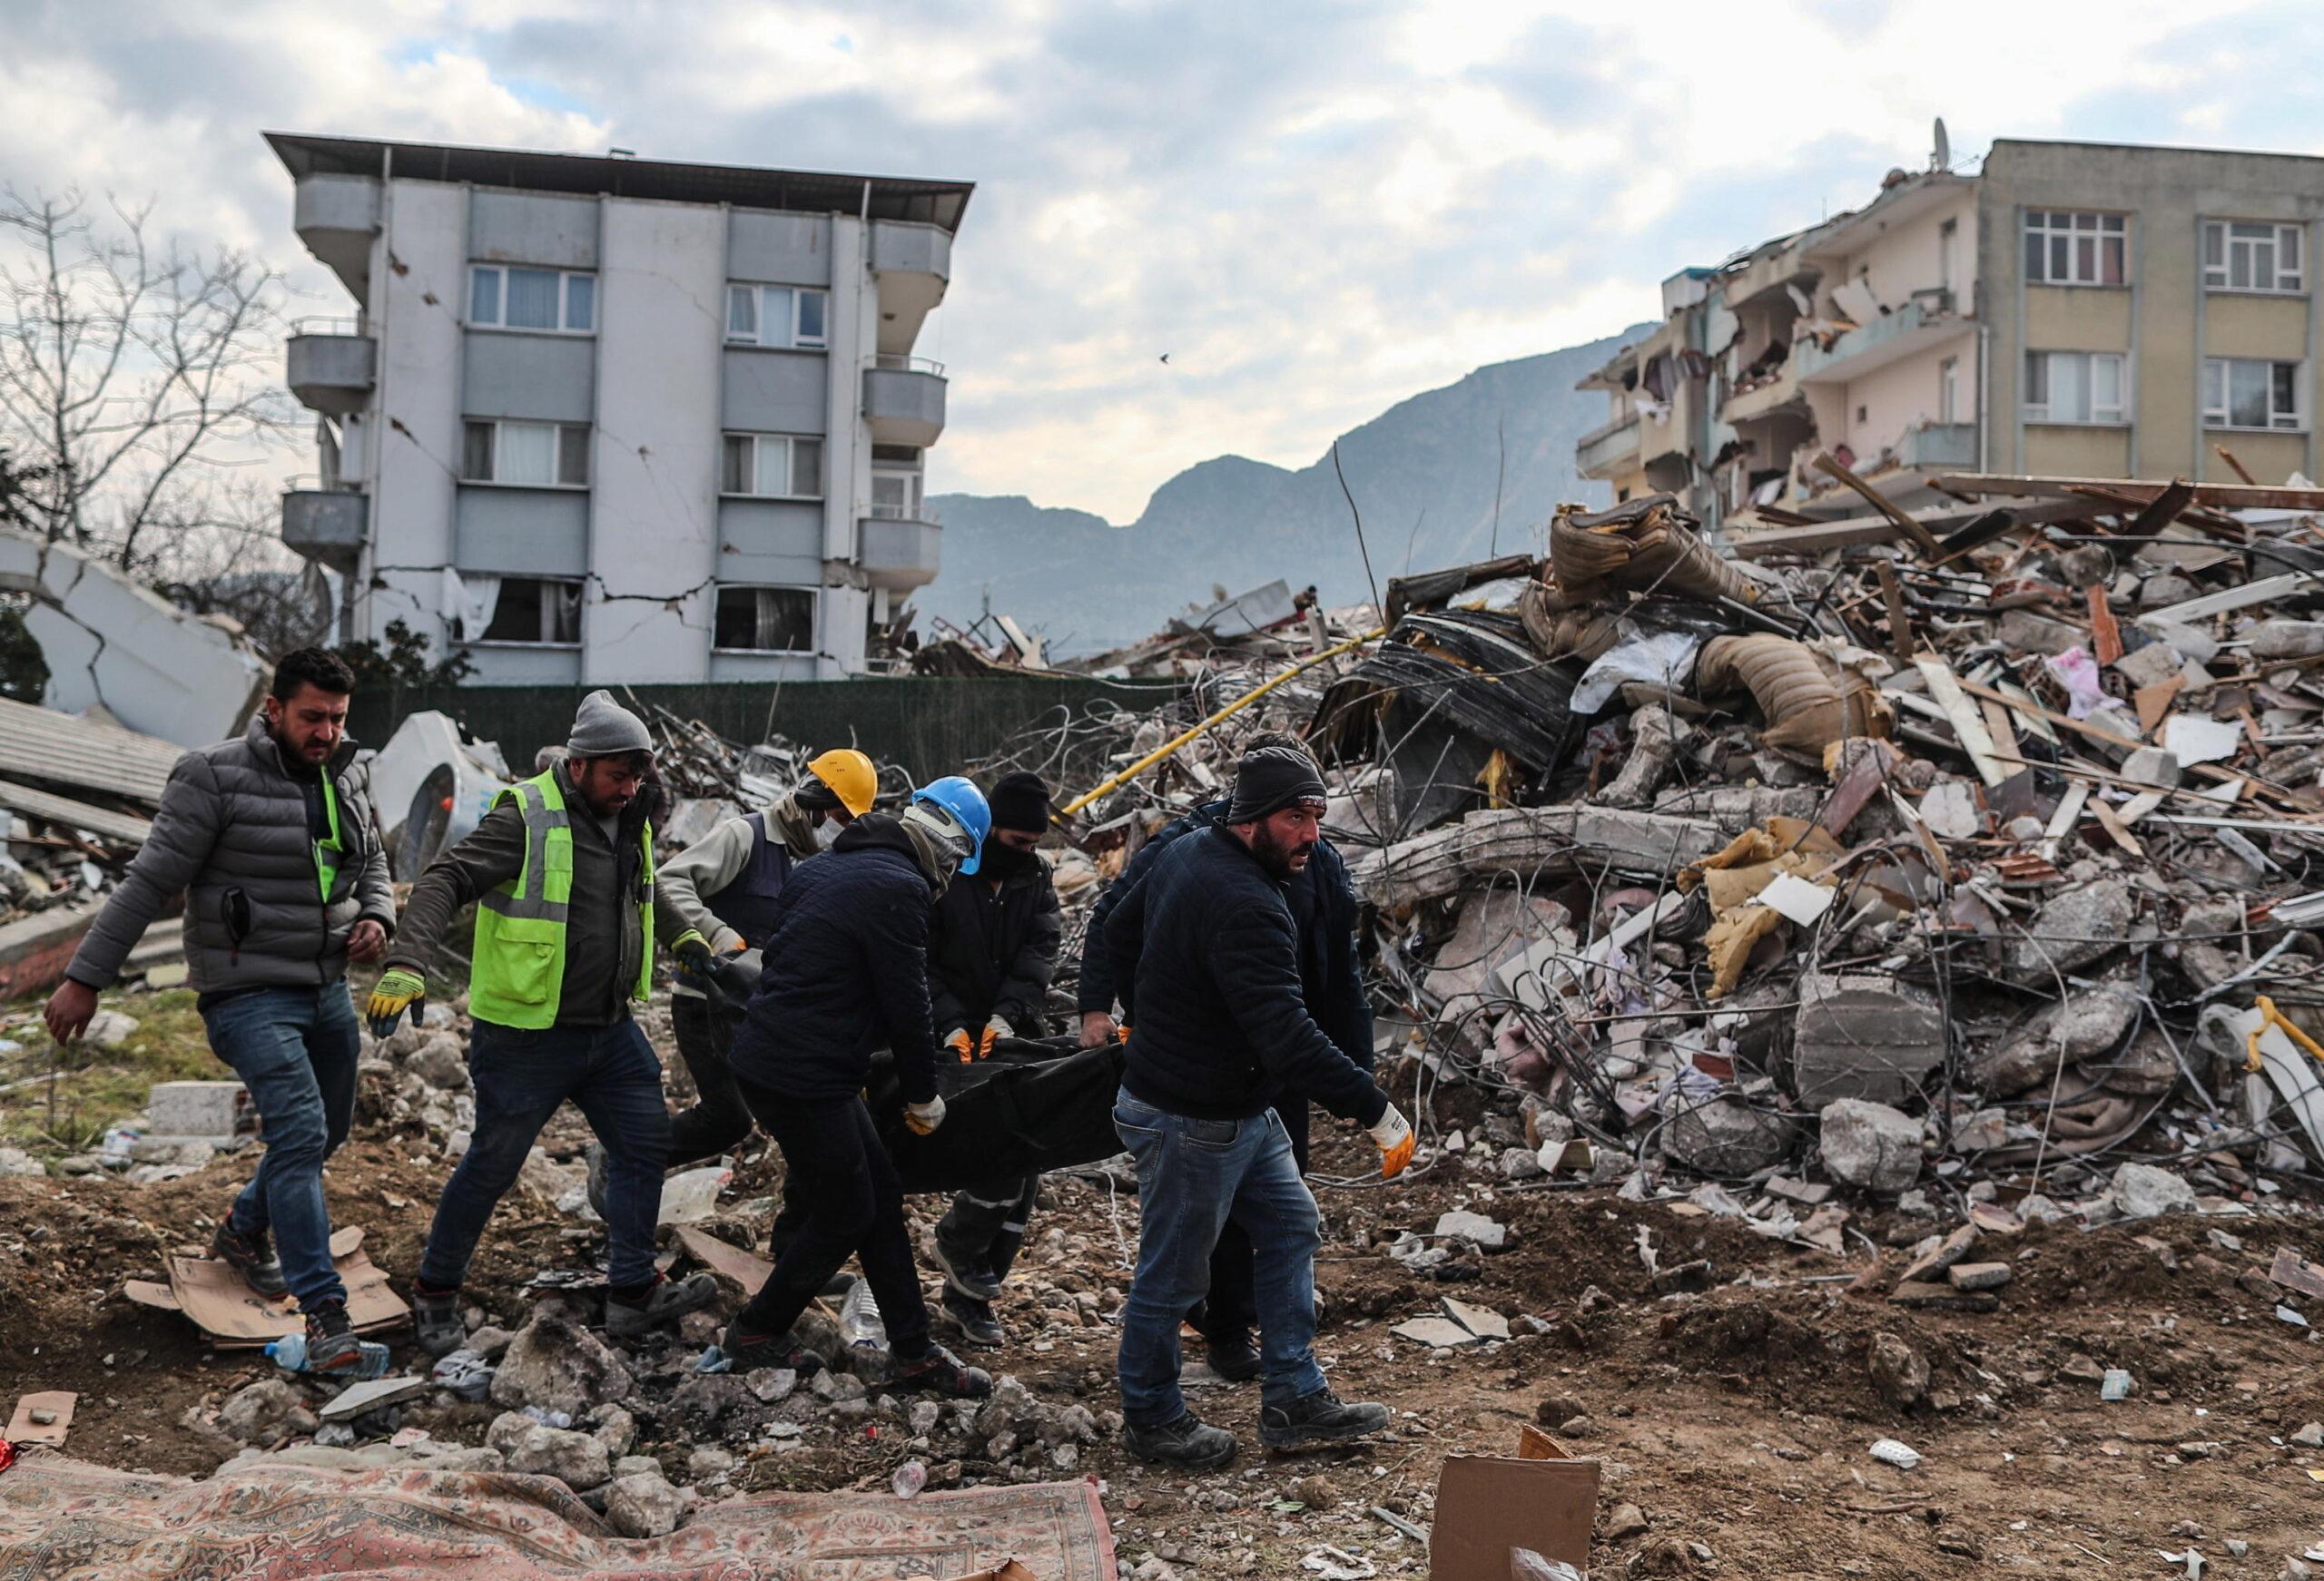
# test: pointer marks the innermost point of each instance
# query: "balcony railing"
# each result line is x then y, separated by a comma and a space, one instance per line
1931, 445
895, 363
1925, 320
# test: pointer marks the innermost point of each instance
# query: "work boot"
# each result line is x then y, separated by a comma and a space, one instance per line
251, 1256
331, 1344
435, 1315
975, 1322
750, 1351
1190, 1441
596, 1186
941, 1372
966, 1272
1233, 1356
663, 1302
1321, 1417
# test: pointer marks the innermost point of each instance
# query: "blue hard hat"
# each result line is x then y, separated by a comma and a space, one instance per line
959, 796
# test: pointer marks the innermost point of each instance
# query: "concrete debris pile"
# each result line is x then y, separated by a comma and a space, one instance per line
77, 798
1974, 871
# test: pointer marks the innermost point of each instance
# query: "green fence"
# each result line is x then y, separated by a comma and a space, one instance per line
929, 724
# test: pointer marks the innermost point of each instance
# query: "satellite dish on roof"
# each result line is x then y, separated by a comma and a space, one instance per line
1942, 159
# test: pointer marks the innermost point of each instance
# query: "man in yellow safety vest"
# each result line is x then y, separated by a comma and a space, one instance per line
561, 871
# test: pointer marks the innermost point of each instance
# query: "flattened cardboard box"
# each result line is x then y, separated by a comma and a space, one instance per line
235, 1316
1544, 1499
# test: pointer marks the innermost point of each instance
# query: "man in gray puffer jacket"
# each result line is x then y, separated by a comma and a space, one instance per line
286, 880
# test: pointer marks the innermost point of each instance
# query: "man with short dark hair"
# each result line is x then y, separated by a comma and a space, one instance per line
561, 871
1207, 958
286, 881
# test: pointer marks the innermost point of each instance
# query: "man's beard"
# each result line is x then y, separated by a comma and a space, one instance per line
1003, 861
1276, 857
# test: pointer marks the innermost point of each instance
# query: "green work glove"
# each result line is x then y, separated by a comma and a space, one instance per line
395, 989
693, 951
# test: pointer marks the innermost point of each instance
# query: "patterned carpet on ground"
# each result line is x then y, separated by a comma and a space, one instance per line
63, 1521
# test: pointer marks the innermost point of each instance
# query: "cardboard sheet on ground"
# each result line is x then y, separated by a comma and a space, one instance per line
62, 1516
1544, 1499
746, 1269
27, 1428
214, 1296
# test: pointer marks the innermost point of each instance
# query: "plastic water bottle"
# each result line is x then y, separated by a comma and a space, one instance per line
290, 1353
860, 1322
118, 1141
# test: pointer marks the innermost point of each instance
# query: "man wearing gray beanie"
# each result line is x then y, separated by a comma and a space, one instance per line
561, 871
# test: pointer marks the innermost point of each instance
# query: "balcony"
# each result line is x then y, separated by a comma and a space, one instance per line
1761, 400
912, 264
328, 526
331, 365
1927, 446
337, 216
1925, 321
1610, 450
903, 400
898, 554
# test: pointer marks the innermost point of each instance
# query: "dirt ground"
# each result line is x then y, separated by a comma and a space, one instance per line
1738, 1418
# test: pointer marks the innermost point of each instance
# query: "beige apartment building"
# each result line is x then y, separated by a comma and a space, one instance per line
2075, 309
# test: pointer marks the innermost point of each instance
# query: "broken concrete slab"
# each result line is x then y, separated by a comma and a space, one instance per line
2142, 1191
1870, 1144
2086, 1023
1573, 838
1859, 1035
1726, 1136
1978, 1275
1436, 1333
558, 1365
2074, 928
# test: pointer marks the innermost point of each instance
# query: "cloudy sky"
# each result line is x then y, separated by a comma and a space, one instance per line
1315, 208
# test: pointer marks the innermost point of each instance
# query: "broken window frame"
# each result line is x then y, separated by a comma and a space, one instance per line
766, 618
2282, 386
576, 300
484, 460
2068, 247
556, 612
2038, 403
750, 450
801, 323
2226, 253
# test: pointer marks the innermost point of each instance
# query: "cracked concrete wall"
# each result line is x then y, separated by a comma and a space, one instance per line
661, 293
111, 641
420, 275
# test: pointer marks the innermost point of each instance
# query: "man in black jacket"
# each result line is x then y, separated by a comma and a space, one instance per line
1324, 912
991, 950
1209, 958
846, 972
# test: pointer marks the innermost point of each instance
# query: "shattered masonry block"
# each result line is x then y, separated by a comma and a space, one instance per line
215, 1112
1870, 1145
1859, 1035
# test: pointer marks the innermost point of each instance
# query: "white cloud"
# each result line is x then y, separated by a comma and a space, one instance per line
1315, 208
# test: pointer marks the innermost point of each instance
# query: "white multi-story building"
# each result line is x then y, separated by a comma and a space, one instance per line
609, 419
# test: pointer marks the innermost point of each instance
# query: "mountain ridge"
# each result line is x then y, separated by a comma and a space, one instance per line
1445, 476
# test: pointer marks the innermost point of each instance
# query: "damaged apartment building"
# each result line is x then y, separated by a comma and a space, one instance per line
612, 419
2073, 310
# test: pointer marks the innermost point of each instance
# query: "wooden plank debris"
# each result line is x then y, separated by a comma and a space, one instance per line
1923, 539
2220, 496
1968, 727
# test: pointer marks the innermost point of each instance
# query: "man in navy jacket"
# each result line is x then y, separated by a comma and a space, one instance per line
1207, 956
846, 973
1324, 912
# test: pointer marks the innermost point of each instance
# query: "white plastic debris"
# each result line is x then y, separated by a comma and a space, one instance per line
1893, 1452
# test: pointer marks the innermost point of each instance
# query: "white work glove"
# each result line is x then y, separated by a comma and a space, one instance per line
924, 1118
1394, 1133
994, 1030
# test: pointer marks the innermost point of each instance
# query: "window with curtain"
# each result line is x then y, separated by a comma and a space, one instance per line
773, 466
782, 317
543, 610
2074, 386
505, 297
2249, 392
528, 455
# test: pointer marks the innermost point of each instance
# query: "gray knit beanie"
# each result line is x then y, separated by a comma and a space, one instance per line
605, 728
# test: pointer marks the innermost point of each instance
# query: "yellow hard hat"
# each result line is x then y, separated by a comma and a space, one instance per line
851, 776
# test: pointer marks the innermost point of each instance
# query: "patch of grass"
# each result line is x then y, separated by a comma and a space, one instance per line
97, 1087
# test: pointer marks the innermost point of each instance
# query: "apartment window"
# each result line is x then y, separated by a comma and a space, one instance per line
529, 455
2064, 249
2074, 387
2242, 255
502, 298
779, 316
895, 496
536, 610
773, 466
2247, 392
766, 620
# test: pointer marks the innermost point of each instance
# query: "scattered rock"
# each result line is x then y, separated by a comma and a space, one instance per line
558, 1365
1728, 1138
1979, 1275
1476, 1227
646, 1506
575, 1460
2074, 929
1899, 1373
1623, 1523
1870, 1144
109, 1028
2311, 1437
267, 1412
2142, 1191
440, 1062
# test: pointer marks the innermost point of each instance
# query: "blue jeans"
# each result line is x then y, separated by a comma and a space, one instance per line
521, 1077
1193, 1177
295, 1050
